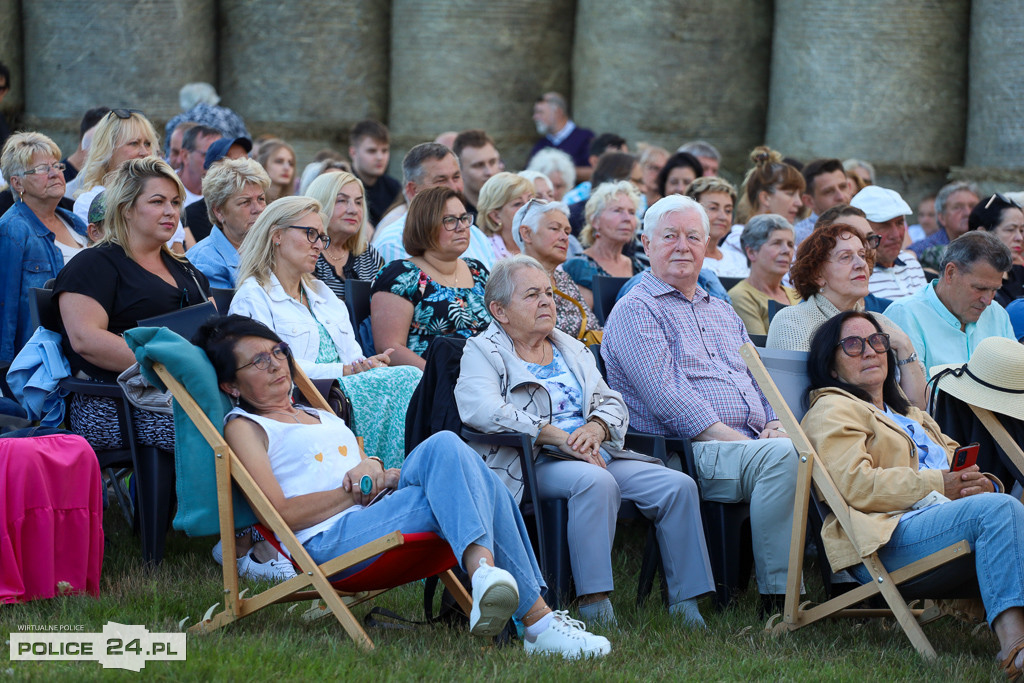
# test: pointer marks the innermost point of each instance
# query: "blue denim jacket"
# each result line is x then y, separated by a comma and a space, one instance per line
28, 258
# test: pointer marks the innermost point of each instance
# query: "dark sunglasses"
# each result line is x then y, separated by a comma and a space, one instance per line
854, 346
125, 113
262, 360
1003, 199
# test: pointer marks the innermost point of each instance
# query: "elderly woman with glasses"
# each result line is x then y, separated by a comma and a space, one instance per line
278, 289
121, 135
891, 463
768, 241
831, 274
435, 292
38, 238
1004, 218
522, 374
542, 231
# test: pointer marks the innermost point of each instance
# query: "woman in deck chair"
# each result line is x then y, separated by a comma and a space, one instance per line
308, 464
891, 464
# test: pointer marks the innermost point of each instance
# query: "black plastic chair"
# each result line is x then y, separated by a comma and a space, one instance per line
222, 298
357, 301
773, 308
153, 468
759, 340
730, 282
606, 289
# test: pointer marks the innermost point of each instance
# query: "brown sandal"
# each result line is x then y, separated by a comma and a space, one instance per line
1013, 673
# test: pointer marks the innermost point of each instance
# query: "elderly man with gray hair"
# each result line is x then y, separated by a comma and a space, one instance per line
426, 165
708, 156
948, 318
953, 206
673, 352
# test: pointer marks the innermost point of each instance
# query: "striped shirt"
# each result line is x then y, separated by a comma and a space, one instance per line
677, 362
362, 267
903, 278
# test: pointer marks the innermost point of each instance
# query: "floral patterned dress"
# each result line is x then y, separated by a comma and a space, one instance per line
437, 309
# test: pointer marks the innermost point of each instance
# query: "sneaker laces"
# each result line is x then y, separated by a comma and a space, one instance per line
572, 628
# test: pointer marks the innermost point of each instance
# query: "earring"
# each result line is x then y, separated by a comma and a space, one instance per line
234, 398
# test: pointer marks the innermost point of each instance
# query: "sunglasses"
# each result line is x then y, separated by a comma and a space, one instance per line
125, 113
1003, 199
262, 360
854, 346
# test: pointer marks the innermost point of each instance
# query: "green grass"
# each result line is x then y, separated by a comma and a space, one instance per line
277, 645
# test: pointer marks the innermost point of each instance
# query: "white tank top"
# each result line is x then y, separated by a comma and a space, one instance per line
308, 458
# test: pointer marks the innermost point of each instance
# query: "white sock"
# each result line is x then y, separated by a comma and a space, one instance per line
539, 626
599, 612
687, 610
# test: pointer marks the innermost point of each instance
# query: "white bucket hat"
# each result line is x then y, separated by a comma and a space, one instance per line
992, 379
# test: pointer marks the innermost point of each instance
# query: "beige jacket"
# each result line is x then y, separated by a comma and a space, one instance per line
496, 392
874, 464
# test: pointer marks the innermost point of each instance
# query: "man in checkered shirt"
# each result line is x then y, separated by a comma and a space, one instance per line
673, 353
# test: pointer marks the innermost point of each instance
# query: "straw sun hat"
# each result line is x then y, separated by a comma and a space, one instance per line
993, 378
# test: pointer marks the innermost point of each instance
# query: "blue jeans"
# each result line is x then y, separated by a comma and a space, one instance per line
445, 488
993, 523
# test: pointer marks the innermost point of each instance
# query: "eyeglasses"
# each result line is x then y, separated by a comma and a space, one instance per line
262, 360
873, 241
854, 346
312, 234
44, 169
452, 223
845, 257
125, 113
1005, 201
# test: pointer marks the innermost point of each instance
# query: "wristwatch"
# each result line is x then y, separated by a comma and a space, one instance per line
909, 359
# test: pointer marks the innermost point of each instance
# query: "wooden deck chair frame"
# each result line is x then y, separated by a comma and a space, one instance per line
1002, 437
229, 468
810, 470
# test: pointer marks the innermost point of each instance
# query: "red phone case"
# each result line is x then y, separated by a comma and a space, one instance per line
964, 457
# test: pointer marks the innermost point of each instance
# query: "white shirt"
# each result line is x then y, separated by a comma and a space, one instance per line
732, 263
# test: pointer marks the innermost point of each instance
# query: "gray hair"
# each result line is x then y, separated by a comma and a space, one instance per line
759, 229
674, 203
550, 160
701, 148
949, 190
501, 283
228, 177
600, 196
529, 214
534, 176
851, 164
412, 164
18, 152
192, 94
974, 246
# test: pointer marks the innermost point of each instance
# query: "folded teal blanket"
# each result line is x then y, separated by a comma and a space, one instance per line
194, 468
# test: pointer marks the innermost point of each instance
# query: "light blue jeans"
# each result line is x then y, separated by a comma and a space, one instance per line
993, 523
446, 488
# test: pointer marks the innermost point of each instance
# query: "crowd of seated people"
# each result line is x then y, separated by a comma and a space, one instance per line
491, 256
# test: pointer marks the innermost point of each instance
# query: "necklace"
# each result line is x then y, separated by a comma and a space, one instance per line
293, 415
543, 355
327, 253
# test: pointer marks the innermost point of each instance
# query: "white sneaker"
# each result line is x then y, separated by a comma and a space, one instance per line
568, 637
277, 569
495, 599
218, 553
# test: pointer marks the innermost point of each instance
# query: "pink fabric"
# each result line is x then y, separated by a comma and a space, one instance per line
51, 517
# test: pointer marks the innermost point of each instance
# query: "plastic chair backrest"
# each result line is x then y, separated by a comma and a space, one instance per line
357, 300
606, 289
729, 282
222, 297
42, 310
788, 369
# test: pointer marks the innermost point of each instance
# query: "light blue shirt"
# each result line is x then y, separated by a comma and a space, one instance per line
930, 455
580, 193
935, 331
388, 242
216, 258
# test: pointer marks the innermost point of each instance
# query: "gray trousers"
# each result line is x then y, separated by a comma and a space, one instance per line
667, 497
761, 472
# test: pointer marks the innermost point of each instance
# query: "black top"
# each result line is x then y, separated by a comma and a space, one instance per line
380, 196
197, 219
126, 291
70, 172
1013, 286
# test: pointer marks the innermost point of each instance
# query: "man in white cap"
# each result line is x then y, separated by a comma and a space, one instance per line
897, 272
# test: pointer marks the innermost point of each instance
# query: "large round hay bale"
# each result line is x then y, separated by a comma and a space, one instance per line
668, 71
304, 72
119, 53
468, 64
882, 80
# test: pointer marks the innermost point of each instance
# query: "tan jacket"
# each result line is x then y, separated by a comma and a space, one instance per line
874, 465
496, 392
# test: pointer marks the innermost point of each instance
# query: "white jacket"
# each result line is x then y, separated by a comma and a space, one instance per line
295, 325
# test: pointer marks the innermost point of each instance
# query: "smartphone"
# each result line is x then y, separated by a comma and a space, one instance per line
964, 457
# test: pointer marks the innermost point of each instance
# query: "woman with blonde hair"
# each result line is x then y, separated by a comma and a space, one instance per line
38, 237
278, 289
278, 158
344, 212
121, 135
500, 197
610, 225
718, 197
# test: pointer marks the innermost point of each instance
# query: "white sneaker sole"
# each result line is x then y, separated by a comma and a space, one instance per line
495, 607
594, 652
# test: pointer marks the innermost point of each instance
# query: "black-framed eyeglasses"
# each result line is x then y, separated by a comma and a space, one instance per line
452, 223
854, 346
44, 169
262, 360
125, 113
312, 234
873, 241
